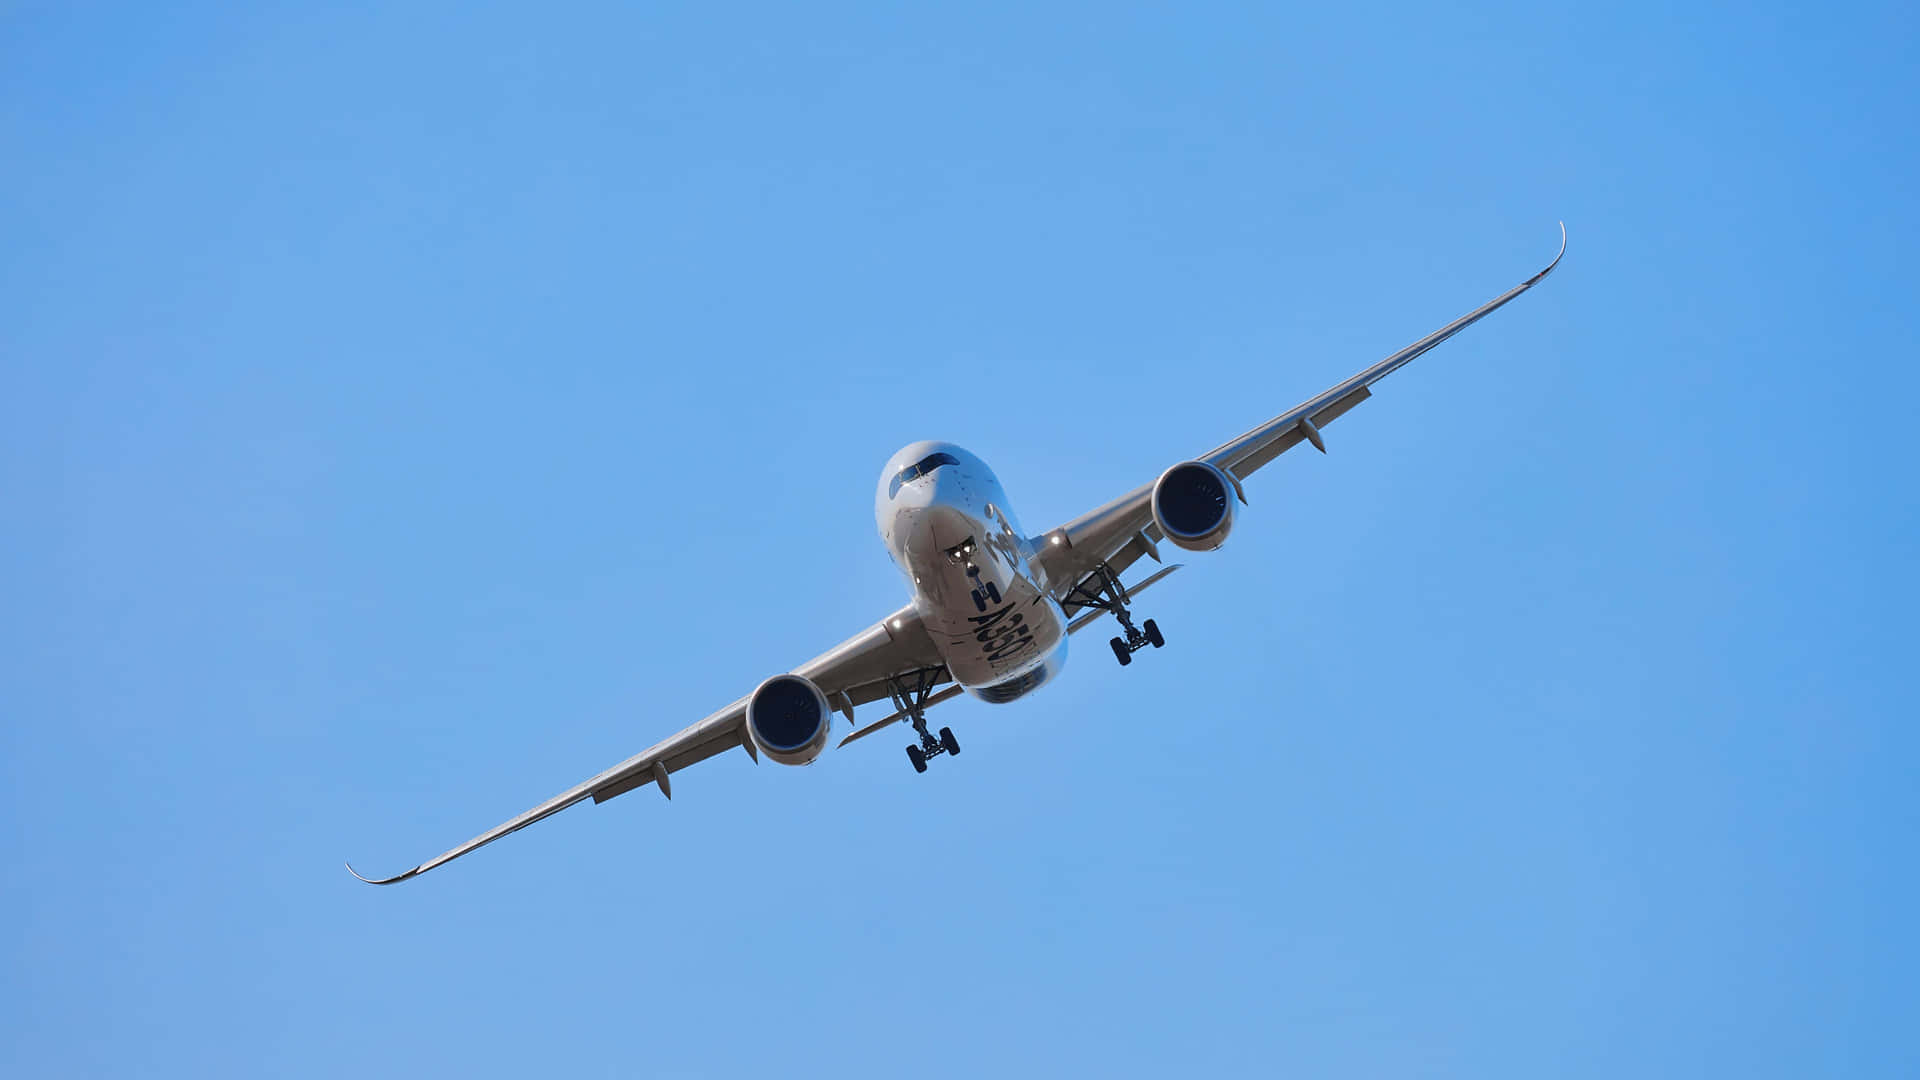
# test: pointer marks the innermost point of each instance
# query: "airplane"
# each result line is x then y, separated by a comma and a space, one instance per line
992, 608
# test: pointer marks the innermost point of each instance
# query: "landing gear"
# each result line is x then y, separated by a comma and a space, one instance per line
912, 700
984, 593
1108, 594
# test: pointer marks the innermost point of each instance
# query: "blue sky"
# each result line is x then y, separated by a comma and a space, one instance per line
407, 411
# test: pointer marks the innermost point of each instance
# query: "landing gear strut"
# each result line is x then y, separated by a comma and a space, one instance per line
984, 593
1109, 595
912, 700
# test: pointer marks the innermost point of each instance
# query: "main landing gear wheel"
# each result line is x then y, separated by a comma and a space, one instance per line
911, 702
1107, 594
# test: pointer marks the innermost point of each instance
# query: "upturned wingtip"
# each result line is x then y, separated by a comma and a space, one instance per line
1556, 258
381, 881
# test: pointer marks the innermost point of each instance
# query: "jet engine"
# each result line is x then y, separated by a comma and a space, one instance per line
1193, 504
788, 719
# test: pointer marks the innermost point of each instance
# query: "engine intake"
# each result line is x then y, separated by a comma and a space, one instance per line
1193, 505
788, 719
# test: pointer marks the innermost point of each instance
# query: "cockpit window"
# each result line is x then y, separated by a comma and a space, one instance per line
917, 470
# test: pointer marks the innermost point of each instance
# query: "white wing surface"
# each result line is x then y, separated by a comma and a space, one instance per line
1121, 531
852, 673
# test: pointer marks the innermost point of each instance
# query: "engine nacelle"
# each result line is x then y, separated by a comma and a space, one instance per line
788, 719
1193, 504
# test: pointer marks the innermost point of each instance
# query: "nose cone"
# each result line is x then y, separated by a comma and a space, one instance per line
939, 527
925, 532
919, 491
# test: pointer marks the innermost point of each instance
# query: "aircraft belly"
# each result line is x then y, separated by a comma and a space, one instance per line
1017, 644
1000, 635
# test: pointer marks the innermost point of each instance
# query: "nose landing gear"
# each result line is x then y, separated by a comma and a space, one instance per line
984, 592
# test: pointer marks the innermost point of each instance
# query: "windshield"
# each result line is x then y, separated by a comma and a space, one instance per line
917, 470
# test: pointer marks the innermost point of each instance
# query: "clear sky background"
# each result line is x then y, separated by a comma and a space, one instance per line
407, 411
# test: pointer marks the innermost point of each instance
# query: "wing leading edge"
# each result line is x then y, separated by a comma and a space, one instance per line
1120, 532
722, 731
851, 673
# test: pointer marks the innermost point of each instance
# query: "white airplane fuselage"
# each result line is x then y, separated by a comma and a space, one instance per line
945, 521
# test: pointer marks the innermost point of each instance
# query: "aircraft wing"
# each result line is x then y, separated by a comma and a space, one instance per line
852, 673
1122, 531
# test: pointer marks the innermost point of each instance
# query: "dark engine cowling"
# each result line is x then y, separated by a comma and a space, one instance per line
788, 719
1193, 504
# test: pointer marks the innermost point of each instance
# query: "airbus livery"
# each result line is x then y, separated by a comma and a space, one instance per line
992, 608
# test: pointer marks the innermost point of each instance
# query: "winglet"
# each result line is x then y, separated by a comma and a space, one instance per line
1556, 258
381, 881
